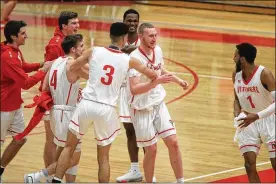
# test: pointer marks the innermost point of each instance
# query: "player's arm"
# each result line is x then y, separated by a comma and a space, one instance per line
45, 84
81, 61
136, 87
237, 106
267, 80
30, 67
83, 72
137, 65
184, 84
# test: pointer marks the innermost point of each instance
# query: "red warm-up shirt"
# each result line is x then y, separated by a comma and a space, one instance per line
14, 77
54, 50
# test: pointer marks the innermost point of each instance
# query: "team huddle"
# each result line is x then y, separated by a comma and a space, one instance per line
130, 71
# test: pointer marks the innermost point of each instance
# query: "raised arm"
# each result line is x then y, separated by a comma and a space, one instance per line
137, 65
81, 61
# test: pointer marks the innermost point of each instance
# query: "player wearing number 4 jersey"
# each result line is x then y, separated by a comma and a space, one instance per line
108, 68
255, 96
64, 87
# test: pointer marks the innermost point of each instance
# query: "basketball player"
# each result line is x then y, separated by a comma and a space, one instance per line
64, 87
131, 18
149, 114
68, 23
13, 79
254, 93
108, 67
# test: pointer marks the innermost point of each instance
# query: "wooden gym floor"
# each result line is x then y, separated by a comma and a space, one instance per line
199, 46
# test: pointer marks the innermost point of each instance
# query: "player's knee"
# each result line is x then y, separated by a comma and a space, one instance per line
20, 143
152, 150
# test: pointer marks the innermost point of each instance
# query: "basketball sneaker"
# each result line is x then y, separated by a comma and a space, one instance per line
32, 178
130, 176
154, 179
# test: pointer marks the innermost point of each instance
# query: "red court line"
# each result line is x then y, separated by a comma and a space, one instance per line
266, 176
196, 80
165, 32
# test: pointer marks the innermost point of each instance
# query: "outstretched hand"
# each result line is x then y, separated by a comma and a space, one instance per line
250, 118
184, 84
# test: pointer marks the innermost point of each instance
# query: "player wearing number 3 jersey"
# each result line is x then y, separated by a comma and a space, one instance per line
255, 95
108, 67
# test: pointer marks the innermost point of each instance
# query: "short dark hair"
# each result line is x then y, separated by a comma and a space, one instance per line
118, 29
248, 51
144, 26
65, 16
70, 41
12, 28
131, 11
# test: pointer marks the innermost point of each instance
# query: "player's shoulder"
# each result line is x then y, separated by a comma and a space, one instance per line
265, 71
136, 52
56, 40
158, 48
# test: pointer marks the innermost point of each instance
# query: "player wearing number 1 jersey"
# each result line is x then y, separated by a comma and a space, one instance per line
255, 95
108, 67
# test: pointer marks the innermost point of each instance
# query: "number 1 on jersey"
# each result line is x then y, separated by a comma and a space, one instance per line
249, 98
53, 81
109, 72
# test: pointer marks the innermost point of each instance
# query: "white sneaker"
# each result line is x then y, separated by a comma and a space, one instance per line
32, 178
130, 176
154, 179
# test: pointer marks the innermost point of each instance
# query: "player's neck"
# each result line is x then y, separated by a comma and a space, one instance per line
14, 45
116, 45
71, 55
248, 71
132, 37
146, 49
64, 32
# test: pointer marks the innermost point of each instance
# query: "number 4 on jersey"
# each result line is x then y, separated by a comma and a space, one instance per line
53, 81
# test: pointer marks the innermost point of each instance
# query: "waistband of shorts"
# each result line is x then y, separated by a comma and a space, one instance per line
64, 107
98, 102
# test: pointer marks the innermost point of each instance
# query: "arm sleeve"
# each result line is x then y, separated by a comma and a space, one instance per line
30, 67
17, 74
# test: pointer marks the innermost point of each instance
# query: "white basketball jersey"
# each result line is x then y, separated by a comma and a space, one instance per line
107, 71
136, 43
252, 95
156, 95
62, 91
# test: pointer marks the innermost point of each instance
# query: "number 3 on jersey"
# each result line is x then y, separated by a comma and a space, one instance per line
53, 81
107, 80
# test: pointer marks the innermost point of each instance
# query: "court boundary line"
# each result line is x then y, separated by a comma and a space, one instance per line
222, 172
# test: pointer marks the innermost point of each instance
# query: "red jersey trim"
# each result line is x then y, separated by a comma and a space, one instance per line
250, 78
153, 55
